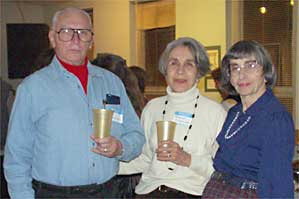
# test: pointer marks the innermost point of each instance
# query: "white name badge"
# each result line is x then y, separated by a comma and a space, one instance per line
182, 118
117, 117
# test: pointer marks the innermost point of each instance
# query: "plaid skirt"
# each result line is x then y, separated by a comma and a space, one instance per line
221, 186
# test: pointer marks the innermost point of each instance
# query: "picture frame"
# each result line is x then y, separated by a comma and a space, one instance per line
210, 85
214, 53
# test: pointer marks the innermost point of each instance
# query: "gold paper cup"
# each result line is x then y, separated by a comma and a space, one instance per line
165, 130
102, 119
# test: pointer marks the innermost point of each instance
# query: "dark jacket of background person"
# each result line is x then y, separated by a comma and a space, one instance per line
5, 91
43, 59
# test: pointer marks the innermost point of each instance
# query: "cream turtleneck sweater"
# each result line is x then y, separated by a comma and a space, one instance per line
201, 143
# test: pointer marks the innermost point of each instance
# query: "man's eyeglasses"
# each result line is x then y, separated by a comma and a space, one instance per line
248, 67
67, 34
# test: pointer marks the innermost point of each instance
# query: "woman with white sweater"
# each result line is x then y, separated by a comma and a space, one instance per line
182, 167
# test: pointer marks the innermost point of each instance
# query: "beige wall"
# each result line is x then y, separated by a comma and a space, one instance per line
112, 22
205, 21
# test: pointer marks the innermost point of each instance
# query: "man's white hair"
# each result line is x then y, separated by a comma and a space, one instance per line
69, 9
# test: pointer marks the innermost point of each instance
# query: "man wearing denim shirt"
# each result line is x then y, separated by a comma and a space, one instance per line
50, 150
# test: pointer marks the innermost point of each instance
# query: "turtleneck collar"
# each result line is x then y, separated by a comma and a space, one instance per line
183, 97
73, 67
81, 72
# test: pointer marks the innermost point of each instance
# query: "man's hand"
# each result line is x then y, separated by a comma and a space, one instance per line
108, 146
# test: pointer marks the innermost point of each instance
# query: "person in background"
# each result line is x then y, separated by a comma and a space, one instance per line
117, 65
43, 59
227, 100
182, 167
140, 73
6, 93
51, 151
256, 143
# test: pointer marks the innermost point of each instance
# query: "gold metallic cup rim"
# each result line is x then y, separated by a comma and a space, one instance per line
165, 130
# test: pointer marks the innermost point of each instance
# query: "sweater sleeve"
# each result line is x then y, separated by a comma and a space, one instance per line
275, 176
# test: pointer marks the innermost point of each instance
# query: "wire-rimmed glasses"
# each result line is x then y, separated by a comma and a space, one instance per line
248, 67
67, 34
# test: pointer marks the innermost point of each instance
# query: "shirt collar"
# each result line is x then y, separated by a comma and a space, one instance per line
60, 70
258, 105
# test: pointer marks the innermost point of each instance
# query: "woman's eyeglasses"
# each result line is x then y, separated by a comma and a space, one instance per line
248, 67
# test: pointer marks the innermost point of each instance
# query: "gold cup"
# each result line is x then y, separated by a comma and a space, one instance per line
102, 119
165, 130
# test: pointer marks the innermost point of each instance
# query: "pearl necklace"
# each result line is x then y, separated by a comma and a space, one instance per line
227, 136
193, 115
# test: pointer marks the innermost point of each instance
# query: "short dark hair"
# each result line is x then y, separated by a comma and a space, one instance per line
111, 62
243, 49
140, 73
216, 74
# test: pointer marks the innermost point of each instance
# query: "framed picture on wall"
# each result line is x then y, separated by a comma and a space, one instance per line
214, 53
210, 85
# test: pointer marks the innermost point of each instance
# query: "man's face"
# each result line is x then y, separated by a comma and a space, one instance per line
74, 51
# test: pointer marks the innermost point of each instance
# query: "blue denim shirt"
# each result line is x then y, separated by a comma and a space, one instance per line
50, 128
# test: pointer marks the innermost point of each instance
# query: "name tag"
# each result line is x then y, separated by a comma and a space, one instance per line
117, 117
182, 118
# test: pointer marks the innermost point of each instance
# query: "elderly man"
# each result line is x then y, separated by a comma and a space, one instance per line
51, 151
